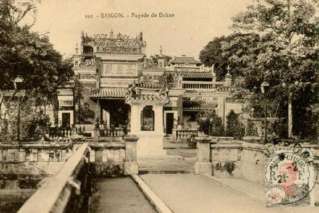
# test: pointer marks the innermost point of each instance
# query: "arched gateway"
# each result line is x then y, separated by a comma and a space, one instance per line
146, 111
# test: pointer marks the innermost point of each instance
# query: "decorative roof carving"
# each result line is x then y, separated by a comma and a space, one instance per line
119, 44
135, 96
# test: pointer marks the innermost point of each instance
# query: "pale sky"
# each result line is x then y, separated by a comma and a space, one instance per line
194, 24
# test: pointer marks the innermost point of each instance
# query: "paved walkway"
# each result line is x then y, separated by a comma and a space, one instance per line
150, 145
166, 164
188, 193
119, 195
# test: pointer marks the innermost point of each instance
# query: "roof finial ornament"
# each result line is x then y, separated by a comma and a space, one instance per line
228, 71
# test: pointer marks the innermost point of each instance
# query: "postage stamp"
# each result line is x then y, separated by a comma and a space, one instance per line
290, 177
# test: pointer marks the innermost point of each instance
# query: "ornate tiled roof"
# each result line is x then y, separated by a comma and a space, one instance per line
148, 98
119, 57
109, 93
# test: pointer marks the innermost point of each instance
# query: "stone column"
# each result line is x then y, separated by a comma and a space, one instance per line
221, 109
97, 119
203, 166
158, 115
175, 125
130, 164
180, 110
135, 119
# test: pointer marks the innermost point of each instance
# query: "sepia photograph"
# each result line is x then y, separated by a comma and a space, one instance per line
159, 106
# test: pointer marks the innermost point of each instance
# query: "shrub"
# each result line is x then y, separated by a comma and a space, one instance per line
211, 124
234, 127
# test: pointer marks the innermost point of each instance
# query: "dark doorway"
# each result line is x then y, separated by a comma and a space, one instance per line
119, 112
148, 119
169, 123
66, 118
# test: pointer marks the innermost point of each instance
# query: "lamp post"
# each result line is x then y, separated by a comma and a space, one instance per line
290, 116
17, 81
263, 87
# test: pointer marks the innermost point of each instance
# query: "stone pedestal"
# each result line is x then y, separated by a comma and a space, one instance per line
203, 166
99, 155
130, 164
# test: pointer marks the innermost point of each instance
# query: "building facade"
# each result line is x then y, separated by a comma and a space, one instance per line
122, 89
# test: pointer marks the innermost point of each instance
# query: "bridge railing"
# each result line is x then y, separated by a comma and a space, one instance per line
56, 192
113, 132
184, 134
70, 188
60, 132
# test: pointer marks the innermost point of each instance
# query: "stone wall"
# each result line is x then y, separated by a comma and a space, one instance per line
34, 158
240, 159
234, 158
107, 159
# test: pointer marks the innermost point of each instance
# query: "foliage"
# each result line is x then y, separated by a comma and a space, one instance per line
33, 121
210, 123
28, 54
251, 129
229, 166
37, 126
234, 127
229, 52
276, 42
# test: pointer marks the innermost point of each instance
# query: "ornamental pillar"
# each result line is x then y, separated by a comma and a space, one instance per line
135, 119
158, 116
97, 119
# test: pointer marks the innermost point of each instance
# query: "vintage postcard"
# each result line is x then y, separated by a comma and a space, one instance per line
165, 106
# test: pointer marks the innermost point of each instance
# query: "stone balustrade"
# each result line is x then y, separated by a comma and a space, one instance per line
70, 188
40, 152
225, 157
183, 134
33, 159
198, 85
115, 132
61, 192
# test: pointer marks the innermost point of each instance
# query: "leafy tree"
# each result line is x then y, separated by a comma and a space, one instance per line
282, 49
28, 55
229, 52
288, 55
251, 129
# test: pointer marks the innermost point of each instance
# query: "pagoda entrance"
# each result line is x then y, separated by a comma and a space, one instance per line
114, 113
147, 123
147, 119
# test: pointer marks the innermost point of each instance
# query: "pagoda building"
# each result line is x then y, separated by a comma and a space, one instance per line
124, 89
